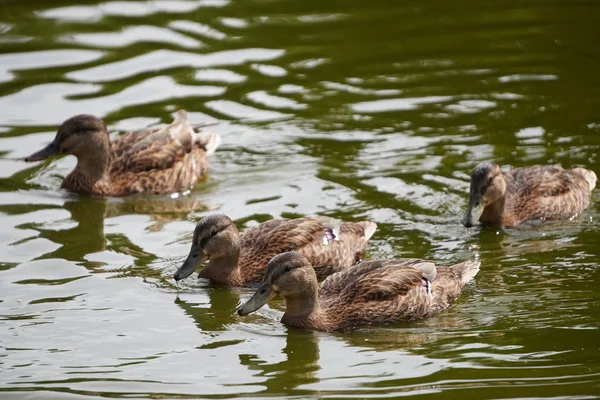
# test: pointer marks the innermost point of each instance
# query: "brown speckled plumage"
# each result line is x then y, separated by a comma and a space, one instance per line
541, 192
372, 292
240, 259
157, 161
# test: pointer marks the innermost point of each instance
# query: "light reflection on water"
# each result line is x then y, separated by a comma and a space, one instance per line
372, 110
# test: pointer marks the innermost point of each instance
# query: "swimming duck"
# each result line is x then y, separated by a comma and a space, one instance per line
541, 192
239, 259
154, 160
372, 292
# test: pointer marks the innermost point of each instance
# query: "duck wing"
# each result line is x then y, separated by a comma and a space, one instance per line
546, 191
377, 280
149, 149
379, 291
329, 246
262, 242
541, 180
337, 245
449, 283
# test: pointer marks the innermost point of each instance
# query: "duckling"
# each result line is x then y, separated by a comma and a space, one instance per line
153, 160
541, 192
372, 292
239, 259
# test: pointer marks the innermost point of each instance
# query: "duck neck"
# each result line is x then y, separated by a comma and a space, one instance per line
493, 213
90, 175
93, 166
302, 310
224, 269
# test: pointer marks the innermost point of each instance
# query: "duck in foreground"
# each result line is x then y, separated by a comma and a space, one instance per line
541, 192
154, 160
239, 259
372, 292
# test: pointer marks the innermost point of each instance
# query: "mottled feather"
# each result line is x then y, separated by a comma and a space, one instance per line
541, 192
304, 235
308, 236
545, 192
372, 292
153, 160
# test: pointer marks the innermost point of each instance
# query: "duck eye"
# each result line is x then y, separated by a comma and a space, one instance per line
287, 268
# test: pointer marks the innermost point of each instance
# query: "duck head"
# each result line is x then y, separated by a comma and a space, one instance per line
289, 275
215, 237
487, 186
82, 136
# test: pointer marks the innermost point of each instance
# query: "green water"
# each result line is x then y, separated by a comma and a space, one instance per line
357, 110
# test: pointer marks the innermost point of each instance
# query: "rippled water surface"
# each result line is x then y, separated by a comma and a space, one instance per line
357, 110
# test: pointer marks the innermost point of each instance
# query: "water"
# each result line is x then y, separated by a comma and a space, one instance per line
357, 110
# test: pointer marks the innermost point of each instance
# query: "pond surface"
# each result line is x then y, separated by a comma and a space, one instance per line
356, 110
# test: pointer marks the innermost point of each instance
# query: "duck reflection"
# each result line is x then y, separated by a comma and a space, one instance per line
499, 243
299, 367
407, 336
215, 314
303, 358
86, 237
161, 210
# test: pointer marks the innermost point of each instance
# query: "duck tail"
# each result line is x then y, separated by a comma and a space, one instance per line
181, 130
369, 228
362, 229
209, 141
588, 175
466, 270
186, 133
180, 117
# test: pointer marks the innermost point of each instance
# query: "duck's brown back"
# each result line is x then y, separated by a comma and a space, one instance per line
328, 249
449, 283
546, 192
389, 291
375, 292
152, 161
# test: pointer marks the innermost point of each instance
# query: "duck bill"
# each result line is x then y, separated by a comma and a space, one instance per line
51, 150
193, 261
473, 213
263, 295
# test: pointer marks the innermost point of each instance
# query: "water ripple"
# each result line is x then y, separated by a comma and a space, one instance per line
241, 111
131, 35
164, 59
219, 75
43, 59
53, 104
198, 29
127, 9
401, 104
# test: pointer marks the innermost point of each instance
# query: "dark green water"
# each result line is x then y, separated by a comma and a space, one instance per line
358, 110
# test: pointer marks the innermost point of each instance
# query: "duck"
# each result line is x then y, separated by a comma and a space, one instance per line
239, 259
537, 193
371, 292
152, 161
